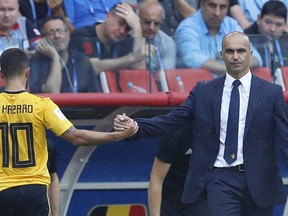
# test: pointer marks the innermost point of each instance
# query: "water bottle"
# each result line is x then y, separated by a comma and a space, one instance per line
180, 84
136, 89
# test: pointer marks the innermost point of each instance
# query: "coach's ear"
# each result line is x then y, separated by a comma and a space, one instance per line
1, 74
27, 72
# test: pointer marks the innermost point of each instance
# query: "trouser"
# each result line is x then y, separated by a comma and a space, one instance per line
26, 200
228, 195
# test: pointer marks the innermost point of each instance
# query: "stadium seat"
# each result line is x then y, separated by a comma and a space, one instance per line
113, 82
189, 76
263, 73
284, 73
2, 84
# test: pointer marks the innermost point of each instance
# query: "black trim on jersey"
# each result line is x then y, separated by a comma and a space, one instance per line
14, 92
5, 145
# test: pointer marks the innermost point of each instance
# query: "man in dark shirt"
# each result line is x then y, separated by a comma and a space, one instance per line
37, 10
54, 188
168, 177
268, 34
109, 45
54, 68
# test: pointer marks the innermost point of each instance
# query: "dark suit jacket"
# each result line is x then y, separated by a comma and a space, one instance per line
266, 125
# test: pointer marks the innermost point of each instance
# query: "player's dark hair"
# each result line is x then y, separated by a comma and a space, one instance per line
13, 62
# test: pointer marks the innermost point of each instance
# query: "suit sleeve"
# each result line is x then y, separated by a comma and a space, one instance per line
281, 120
164, 124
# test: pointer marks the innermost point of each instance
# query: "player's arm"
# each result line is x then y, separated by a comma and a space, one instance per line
83, 137
158, 173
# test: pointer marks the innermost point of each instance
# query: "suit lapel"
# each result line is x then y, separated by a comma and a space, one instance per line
252, 103
217, 92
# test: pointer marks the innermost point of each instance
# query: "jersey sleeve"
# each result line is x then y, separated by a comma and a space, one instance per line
55, 120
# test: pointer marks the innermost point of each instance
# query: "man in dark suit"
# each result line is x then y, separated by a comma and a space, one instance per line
247, 181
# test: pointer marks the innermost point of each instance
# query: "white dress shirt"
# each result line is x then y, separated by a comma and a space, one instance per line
244, 91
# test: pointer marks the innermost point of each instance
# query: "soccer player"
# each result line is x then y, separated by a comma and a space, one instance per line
24, 118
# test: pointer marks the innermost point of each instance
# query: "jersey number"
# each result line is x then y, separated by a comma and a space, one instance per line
16, 128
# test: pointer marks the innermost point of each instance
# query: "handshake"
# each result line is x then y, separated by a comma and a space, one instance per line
125, 125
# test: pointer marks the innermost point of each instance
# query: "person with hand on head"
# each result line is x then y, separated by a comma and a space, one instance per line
25, 119
198, 38
109, 44
168, 175
163, 49
55, 68
238, 120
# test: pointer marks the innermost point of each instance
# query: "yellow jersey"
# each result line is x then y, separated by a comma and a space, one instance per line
24, 118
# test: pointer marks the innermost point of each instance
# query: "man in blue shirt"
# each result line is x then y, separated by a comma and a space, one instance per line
86, 12
199, 37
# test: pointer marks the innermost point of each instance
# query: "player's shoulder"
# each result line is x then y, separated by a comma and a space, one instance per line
36, 98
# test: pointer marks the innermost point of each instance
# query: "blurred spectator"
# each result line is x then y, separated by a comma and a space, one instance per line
15, 31
174, 12
252, 8
86, 12
109, 44
271, 24
37, 10
168, 176
236, 12
177, 10
55, 68
163, 51
54, 189
199, 37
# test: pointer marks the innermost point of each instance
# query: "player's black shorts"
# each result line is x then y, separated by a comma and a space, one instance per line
27, 200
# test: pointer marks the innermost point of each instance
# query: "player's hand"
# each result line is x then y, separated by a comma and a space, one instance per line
131, 130
122, 122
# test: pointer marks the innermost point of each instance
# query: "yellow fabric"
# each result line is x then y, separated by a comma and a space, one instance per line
24, 118
119, 210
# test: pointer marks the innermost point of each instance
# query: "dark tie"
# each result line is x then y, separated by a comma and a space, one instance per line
231, 142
